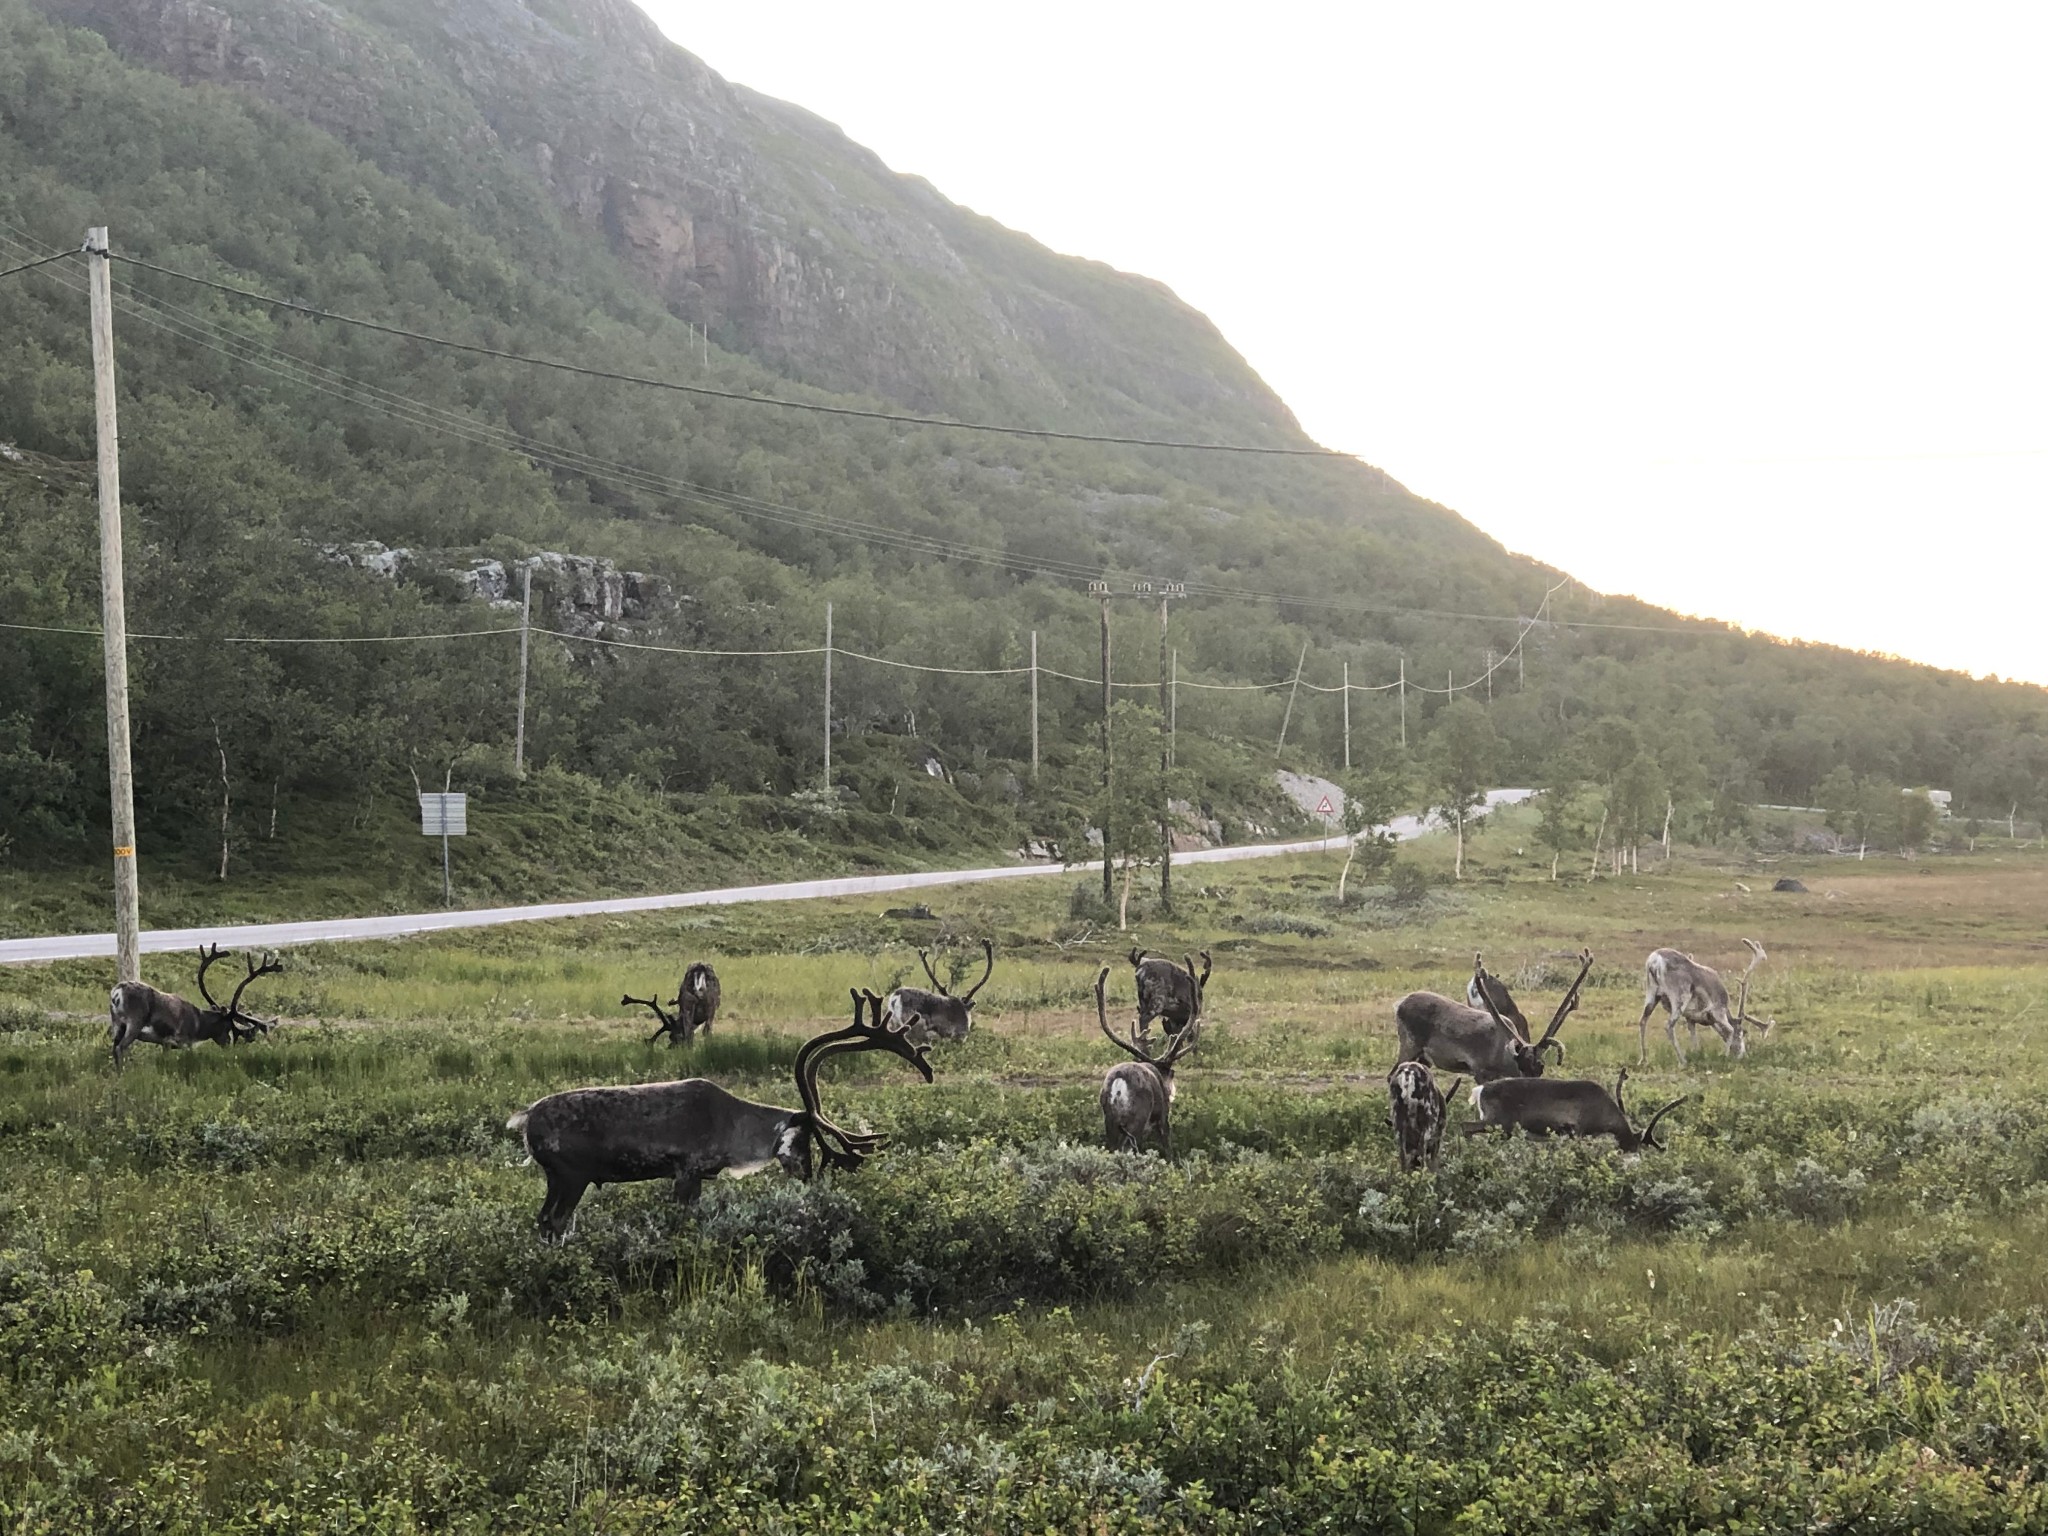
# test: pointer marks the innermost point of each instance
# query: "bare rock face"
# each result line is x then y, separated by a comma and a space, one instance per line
577, 594
748, 217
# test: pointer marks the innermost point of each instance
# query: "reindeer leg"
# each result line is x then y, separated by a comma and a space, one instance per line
689, 1184
1671, 1034
558, 1210
1643, 1032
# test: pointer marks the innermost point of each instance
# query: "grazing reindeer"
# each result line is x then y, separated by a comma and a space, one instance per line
1458, 1037
1695, 993
1167, 993
690, 1130
1484, 988
139, 1012
1572, 1107
1137, 1096
1419, 1113
938, 1014
695, 1002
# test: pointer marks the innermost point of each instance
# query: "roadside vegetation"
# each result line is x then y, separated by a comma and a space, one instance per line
308, 1267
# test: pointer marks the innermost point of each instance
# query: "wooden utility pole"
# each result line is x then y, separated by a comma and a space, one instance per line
1168, 591
1347, 717
1288, 714
525, 623
1404, 703
1489, 674
114, 615
1173, 712
828, 697
1101, 590
1034, 706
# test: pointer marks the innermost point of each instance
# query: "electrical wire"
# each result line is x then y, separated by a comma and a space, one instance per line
202, 332
707, 391
30, 266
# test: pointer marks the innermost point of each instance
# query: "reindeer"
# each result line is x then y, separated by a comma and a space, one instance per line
939, 1014
1572, 1107
138, 1011
695, 1002
1164, 992
689, 1131
1696, 994
1137, 1095
1458, 1037
1419, 1113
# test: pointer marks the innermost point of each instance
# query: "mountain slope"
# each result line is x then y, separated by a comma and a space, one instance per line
744, 215
560, 182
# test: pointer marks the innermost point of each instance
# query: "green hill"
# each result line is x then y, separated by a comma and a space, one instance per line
559, 181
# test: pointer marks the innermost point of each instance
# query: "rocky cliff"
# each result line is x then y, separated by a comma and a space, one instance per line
748, 217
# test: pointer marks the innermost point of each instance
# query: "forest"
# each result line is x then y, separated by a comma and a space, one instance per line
261, 444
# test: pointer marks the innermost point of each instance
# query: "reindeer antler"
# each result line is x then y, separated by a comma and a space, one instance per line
207, 956
271, 966
937, 985
668, 1022
1757, 957
852, 1147
1205, 967
1650, 1130
1129, 1046
988, 948
1569, 1006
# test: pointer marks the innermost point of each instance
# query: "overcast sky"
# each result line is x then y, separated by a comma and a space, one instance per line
1742, 309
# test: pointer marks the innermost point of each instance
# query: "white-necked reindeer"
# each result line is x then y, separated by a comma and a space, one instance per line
1137, 1095
690, 1131
937, 1014
1695, 993
138, 1011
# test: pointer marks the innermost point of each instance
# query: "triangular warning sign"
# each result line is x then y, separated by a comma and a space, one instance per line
1324, 808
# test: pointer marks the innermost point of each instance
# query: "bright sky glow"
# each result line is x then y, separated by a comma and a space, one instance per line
1739, 308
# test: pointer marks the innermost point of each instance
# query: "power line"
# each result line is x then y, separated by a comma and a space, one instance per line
200, 331
708, 392
576, 461
30, 266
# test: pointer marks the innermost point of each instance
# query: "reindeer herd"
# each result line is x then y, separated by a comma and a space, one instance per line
692, 1129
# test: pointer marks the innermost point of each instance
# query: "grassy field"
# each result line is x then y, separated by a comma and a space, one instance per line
294, 1286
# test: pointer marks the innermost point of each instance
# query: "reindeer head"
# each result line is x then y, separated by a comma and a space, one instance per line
1636, 1140
1486, 988
843, 1148
1133, 1046
241, 1025
1740, 1025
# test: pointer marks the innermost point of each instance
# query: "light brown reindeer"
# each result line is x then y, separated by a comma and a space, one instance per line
1137, 1095
1695, 993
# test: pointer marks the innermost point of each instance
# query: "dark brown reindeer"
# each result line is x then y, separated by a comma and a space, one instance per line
1419, 1113
939, 1014
139, 1011
1166, 992
1137, 1095
691, 1130
695, 1002
1567, 1107
1695, 993
1459, 1037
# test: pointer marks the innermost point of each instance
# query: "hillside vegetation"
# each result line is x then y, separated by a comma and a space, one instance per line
559, 182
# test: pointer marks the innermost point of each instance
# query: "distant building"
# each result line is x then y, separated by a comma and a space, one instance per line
1938, 798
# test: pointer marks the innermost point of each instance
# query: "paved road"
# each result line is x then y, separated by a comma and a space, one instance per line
85, 946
